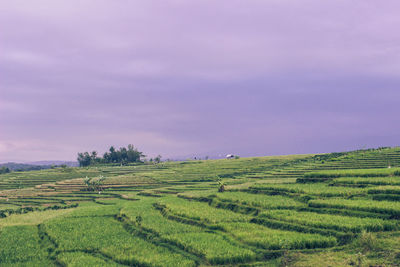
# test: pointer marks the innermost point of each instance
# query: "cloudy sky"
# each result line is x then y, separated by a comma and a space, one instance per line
180, 78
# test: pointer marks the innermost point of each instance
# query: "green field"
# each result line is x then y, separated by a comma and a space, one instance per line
339, 209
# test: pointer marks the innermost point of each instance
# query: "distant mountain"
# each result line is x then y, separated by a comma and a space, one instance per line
37, 165
54, 162
23, 166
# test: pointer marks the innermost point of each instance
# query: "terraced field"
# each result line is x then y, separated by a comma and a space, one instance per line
339, 209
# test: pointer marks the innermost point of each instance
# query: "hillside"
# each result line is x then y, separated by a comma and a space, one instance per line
12, 166
337, 209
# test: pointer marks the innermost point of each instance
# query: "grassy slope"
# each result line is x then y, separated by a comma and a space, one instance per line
171, 214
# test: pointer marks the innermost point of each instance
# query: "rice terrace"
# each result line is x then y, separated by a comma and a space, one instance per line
176, 133
338, 209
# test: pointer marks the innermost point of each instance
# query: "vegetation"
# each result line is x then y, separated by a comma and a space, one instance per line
260, 201
330, 221
395, 180
342, 211
387, 207
122, 156
4, 170
320, 189
94, 184
354, 173
267, 238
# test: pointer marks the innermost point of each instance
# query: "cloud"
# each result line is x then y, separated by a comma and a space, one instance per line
180, 78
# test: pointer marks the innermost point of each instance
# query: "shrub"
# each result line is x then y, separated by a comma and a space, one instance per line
367, 241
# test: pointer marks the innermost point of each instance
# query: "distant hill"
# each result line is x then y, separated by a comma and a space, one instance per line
54, 162
36, 165
23, 167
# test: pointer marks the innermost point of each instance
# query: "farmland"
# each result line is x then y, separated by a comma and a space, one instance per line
339, 209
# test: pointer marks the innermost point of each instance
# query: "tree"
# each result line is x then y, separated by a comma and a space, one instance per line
94, 157
221, 185
134, 155
106, 157
94, 184
4, 170
84, 159
113, 154
157, 159
123, 155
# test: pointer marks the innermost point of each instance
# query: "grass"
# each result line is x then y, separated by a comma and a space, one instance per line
33, 218
86, 233
386, 207
20, 244
395, 180
259, 200
385, 190
320, 189
329, 221
367, 250
354, 173
267, 238
154, 221
201, 211
140, 252
104, 234
78, 259
170, 214
215, 248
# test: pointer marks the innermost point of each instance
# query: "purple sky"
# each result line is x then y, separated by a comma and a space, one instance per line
179, 78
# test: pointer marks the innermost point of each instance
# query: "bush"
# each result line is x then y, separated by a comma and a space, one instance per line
367, 242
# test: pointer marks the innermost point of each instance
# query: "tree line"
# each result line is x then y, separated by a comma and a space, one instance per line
123, 155
4, 170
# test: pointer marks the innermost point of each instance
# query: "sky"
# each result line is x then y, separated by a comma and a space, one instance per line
195, 78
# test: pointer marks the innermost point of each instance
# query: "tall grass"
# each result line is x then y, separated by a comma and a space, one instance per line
106, 235
154, 221
215, 248
384, 172
260, 200
386, 207
311, 189
267, 238
329, 221
20, 244
385, 190
201, 211
78, 259
395, 180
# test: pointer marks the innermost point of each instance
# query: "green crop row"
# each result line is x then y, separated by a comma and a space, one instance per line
78, 259
108, 236
282, 225
387, 197
146, 216
268, 238
201, 211
213, 247
20, 244
354, 173
385, 190
329, 221
386, 207
311, 189
395, 180
7, 212
260, 200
